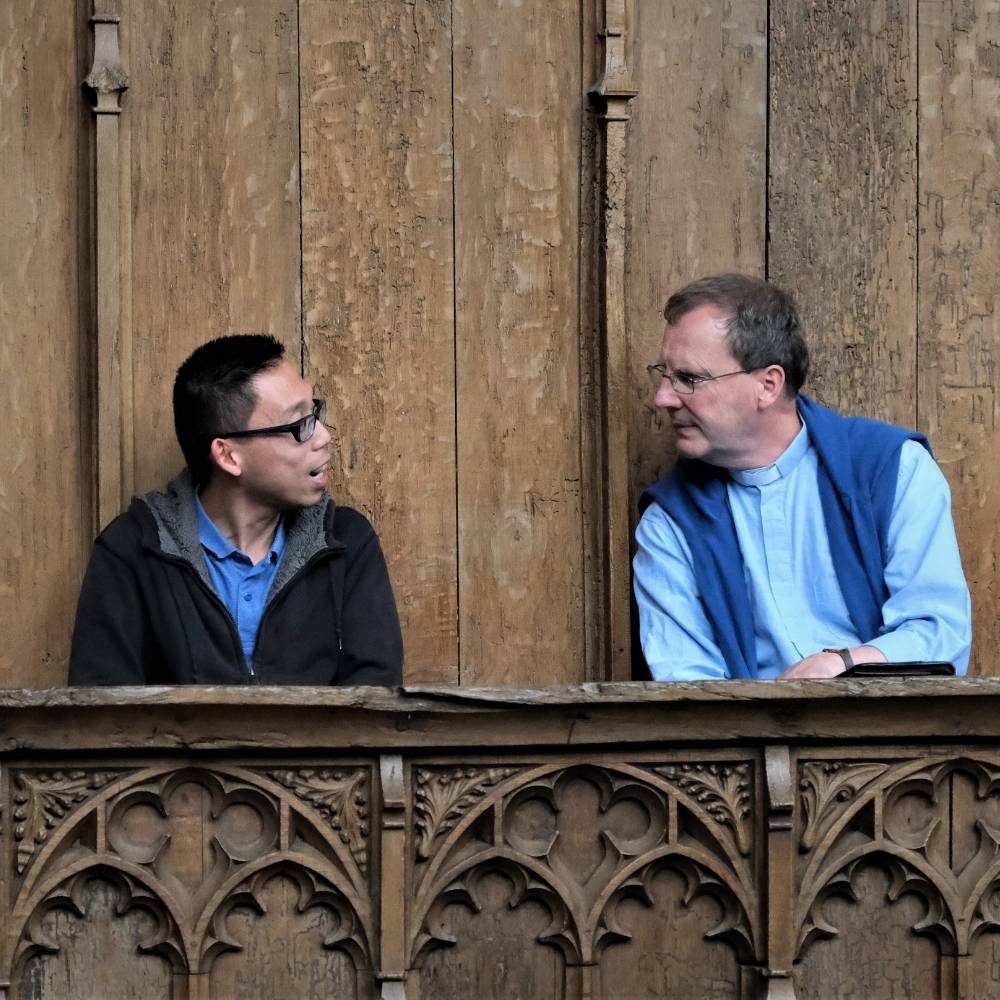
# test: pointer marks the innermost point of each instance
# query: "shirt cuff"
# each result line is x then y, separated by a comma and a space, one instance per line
900, 646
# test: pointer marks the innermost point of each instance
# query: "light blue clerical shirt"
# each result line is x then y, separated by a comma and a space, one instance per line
241, 585
798, 608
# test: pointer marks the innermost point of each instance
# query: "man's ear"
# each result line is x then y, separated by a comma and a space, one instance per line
226, 457
772, 385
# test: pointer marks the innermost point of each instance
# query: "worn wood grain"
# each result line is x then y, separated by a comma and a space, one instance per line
959, 254
842, 195
45, 450
378, 287
612, 94
212, 124
218, 719
696, 161
517, 136
593, 508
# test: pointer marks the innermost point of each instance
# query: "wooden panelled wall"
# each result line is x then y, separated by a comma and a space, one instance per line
463, 218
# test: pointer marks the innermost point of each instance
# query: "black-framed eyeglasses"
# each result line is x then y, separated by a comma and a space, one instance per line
302, 430
684, 383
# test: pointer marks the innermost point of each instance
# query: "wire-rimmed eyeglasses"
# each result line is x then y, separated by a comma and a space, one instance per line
684, 383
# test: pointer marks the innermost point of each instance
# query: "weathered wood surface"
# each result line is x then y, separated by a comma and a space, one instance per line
378, 282
266, 718
697, 178
46, 455
612, 94
848, 852
959, 279
212, 130
408, 195
842, 195
517, 142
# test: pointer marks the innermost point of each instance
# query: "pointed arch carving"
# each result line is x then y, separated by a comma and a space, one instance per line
582, 836
314, 892
100, 892
187, 838
913, 817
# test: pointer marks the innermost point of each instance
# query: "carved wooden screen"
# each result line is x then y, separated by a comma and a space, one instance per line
680, 850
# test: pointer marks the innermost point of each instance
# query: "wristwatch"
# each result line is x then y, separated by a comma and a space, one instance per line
844, 654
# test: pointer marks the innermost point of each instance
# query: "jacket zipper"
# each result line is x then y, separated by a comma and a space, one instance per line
313, 560
252, 678
233, 633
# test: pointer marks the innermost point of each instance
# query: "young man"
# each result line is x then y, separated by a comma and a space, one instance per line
788, 541
243, 570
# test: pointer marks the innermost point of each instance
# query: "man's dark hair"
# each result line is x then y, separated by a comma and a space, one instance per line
213, 393
763, 328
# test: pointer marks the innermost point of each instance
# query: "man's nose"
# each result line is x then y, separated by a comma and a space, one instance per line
321, 436
666, 397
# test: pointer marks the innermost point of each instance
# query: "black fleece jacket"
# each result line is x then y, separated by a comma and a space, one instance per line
148, 613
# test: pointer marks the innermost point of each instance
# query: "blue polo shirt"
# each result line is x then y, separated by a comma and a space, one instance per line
242, 586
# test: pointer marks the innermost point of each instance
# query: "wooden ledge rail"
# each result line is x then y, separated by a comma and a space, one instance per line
804, 840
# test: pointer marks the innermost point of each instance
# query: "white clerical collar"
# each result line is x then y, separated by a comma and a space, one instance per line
781, 468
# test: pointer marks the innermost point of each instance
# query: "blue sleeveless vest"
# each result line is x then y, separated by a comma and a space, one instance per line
857, 471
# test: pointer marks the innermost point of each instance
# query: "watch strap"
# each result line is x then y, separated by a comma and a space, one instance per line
844, 654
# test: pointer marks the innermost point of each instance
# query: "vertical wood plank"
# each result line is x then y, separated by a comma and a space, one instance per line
212, 122
959, 253
45, 453
696, 178
592, 503
517, 142
378, 287
843, 195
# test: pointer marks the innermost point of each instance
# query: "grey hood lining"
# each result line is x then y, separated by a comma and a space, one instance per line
176, 517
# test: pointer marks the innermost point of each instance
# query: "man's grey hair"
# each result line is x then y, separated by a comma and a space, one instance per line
763, 322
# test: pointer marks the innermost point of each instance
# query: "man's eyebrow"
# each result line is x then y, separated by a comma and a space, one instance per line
296, 408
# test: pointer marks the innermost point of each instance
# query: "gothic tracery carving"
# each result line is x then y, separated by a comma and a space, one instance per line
580, 838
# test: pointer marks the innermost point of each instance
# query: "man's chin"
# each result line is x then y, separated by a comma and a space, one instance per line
690, 444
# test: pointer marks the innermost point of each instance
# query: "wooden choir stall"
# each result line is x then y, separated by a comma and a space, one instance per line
815, 839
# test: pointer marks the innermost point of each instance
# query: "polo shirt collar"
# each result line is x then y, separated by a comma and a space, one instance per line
215, 542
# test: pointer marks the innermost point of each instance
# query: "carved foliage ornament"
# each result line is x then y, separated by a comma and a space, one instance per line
340, 796
722, 790
445, 795
43, 798
194, 833
827, 787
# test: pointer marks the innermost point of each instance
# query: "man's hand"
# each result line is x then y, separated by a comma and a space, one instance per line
830, 664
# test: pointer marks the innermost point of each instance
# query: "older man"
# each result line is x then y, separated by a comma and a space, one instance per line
243, 570
788, 541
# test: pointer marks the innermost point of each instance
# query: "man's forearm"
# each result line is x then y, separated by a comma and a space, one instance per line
831, 664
